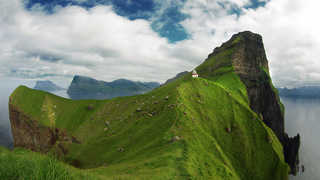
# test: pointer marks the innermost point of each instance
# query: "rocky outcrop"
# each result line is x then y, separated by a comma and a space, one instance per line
249, 61
29, 134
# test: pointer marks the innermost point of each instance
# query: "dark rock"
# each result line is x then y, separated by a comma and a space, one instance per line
291, 151
28, 133
249, 61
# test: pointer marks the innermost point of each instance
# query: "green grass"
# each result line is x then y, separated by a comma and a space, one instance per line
198, 111
220, 136
23, 164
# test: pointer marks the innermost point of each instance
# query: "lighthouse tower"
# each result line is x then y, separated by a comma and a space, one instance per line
195, 74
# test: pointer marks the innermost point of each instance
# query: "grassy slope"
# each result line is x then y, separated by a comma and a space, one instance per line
26, 165
199, 111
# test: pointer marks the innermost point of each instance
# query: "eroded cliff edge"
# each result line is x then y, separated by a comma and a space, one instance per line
245, 53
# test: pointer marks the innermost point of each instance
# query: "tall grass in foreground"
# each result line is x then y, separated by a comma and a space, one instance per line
26, 165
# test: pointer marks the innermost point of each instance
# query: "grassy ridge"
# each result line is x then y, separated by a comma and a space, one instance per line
188, 129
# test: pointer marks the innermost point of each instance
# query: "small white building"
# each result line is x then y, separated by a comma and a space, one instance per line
195, 74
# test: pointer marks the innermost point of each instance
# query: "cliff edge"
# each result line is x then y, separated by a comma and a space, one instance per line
244, 53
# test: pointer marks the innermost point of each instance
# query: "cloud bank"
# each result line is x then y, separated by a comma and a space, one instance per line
98, 42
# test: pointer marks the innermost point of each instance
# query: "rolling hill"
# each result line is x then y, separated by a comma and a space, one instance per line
211, 127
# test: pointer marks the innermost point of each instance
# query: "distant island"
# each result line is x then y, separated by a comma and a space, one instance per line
83, 87
301, 92
48, 86
222, 121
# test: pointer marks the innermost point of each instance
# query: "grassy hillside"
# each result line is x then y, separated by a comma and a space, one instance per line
26, 165
188, 129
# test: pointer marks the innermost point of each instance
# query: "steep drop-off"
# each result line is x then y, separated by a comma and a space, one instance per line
245, 54
190, 128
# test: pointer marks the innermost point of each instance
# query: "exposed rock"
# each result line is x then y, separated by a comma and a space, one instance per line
29, 134
105, 129
121, 149
166, 98
138, 109
291, 152
249, 61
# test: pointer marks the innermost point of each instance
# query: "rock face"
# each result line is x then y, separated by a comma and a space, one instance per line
249, 61
48, 86
29, 134
88, 88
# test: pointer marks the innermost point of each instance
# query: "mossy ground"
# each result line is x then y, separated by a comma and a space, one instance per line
220, 136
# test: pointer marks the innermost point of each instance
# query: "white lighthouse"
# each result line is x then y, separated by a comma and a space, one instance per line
194, 74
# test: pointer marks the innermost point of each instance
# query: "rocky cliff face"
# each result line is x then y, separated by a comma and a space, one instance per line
249, 61
29, 134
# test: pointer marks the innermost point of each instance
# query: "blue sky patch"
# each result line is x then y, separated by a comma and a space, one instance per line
165, 24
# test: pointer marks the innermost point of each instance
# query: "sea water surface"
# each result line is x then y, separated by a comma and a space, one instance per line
303, 116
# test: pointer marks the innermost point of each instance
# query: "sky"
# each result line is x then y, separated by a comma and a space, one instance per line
151, 40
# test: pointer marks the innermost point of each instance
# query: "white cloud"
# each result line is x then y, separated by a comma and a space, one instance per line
96, 43
288, 27
99, 43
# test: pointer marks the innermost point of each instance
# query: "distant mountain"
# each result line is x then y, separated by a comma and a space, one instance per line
226, 124
88, 88
48, 86
177, 76
301, 92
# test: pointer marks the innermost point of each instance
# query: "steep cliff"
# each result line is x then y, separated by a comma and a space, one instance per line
190, 128
244, 53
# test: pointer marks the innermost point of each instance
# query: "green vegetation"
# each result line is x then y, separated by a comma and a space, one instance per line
188, 129
23, 164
